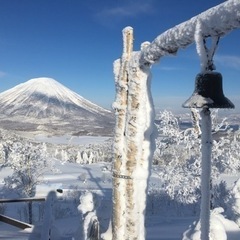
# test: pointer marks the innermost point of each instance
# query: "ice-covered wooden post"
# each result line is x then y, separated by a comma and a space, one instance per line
120, 105
134, 143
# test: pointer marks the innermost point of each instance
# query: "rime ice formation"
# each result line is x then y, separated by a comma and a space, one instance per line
216, 21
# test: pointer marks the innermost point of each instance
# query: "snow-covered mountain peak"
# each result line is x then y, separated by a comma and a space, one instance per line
47, 86
46, 98
44, 84
47, 90
42, 80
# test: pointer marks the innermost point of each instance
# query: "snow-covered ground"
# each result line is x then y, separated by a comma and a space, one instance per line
97, 178
74, 179
73, 140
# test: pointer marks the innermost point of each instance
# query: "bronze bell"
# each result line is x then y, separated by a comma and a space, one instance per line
208, 92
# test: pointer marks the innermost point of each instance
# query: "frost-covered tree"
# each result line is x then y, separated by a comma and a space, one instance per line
64, 156
28, 162
179, 159
85, 158
233, 210
79, 158
85, 154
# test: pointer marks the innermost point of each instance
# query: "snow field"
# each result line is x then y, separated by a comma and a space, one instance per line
166, 217
159, 225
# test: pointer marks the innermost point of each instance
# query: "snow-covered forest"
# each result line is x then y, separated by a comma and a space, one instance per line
32, 169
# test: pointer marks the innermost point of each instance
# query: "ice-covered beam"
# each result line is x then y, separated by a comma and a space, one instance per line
216, 21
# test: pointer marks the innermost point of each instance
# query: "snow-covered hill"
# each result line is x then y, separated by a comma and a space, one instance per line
43, 104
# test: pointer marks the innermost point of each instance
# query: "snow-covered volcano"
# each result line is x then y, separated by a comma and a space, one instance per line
47, 104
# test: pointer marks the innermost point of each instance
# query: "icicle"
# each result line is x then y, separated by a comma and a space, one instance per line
200, 47
195, 119
205, 54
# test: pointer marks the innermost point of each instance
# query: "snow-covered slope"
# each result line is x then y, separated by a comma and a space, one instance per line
44, 103
43, 97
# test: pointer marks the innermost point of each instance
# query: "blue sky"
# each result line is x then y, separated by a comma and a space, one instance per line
76, 42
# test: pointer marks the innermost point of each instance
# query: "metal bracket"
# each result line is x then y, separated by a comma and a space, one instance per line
115, 175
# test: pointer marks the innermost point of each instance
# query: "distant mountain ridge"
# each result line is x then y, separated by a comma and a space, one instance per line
43, 104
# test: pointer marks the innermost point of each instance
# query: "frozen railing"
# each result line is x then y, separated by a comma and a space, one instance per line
15, 222
216, 21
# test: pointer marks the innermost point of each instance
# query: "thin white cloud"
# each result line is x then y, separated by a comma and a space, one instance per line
128, 10
170, 68
2, 74
228, 61
132, 9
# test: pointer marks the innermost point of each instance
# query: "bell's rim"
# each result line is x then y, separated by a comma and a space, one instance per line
208, 92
